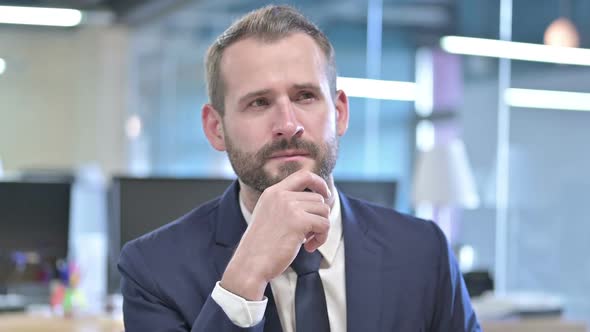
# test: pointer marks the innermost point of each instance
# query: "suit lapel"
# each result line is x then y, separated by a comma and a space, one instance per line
229, 228
363, 262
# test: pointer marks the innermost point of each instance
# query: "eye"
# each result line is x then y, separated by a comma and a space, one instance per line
259, 102
305, 96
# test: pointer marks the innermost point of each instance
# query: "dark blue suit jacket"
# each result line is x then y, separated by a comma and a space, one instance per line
400, 274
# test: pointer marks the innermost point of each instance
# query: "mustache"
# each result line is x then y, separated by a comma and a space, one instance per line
288, 144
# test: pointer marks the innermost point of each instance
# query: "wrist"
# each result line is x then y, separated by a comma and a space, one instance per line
243, 280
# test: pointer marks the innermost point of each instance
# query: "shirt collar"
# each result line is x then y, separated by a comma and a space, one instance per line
330, 247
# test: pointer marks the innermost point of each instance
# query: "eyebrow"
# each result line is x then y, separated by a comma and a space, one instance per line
253, 94
258, 93
310, 86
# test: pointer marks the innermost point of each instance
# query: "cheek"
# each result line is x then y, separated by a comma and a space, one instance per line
320, 122
246, 139
328, 124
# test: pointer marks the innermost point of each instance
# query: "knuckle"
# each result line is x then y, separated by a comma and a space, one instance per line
309, 228
326, 224
318, 197
303, 228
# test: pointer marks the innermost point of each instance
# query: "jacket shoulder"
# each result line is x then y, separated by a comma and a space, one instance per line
388, 219
401, 234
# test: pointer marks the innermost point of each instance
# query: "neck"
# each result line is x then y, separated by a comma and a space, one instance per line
250, 195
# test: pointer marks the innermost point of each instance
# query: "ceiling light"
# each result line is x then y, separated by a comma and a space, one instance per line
377, 89
515, 50
547, 99
40, 16
562, 32
2, 66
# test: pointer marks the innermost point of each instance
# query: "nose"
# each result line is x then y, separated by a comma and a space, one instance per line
286, 124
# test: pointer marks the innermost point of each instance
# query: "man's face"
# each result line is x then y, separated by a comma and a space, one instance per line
279, 113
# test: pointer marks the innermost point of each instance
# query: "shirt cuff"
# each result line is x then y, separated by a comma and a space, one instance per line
241, 312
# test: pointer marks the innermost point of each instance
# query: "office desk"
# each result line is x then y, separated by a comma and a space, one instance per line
27, 323
534, 325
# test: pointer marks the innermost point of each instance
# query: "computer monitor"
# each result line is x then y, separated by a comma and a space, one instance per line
34, 228
140, 205
380, 192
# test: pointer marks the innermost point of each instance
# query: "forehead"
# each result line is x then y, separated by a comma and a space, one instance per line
252, 64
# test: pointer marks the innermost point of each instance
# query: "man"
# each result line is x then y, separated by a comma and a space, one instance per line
281, 249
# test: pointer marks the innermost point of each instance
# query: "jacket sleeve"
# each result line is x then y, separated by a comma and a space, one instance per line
144, 309
453, 310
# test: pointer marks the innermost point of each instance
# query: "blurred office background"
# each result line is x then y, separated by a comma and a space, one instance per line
118, 97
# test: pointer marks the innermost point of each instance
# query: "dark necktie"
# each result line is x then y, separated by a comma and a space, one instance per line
311, 313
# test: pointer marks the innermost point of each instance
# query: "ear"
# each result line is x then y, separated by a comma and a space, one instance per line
213, 127
341, 104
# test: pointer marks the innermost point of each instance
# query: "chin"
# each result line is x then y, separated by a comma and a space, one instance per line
287, 168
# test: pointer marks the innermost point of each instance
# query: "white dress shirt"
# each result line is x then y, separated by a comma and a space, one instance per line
249, 313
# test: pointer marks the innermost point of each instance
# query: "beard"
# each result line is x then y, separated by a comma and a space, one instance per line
250, 166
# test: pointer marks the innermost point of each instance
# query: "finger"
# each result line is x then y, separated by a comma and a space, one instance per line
307, 197
317, 225
316, 208
316, 241
312, 245
304, 179
309, 237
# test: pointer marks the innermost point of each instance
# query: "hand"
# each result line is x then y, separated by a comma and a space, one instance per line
285, 217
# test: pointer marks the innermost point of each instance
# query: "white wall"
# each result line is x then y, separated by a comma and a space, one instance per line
63, 97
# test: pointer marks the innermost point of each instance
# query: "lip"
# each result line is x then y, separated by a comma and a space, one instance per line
289, 154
